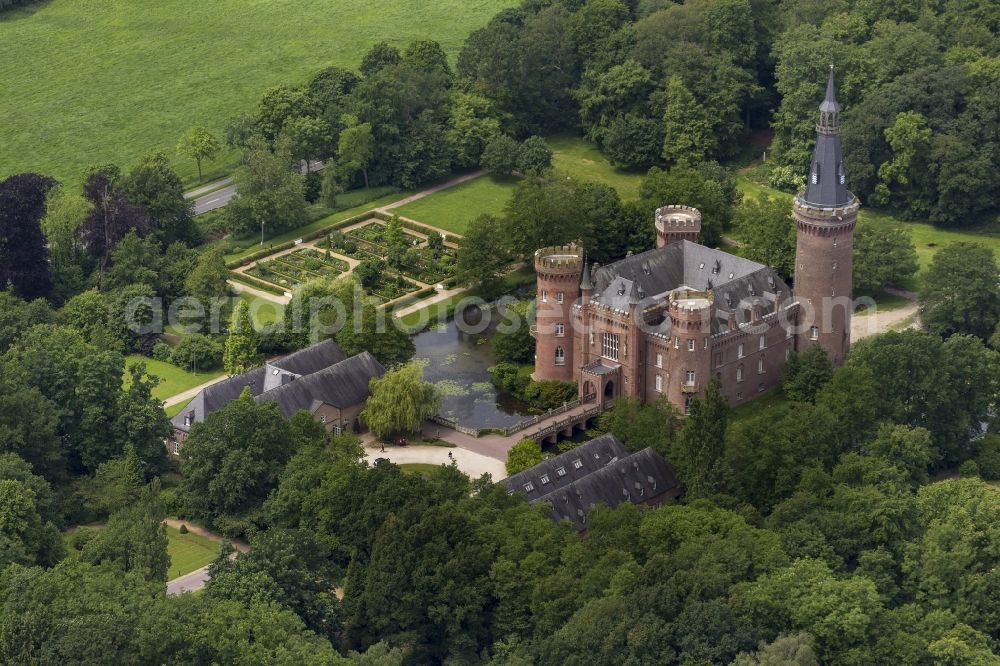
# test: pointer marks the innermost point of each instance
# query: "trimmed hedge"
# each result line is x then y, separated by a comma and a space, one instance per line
256, 284
416, 226
311, 236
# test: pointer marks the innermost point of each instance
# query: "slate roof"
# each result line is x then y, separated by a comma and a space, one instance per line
606, 474
575, 464
826, 187
342, 385
638, 478
735, 282
302, 362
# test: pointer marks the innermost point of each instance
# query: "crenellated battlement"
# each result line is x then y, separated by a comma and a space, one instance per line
559, 259
675, 222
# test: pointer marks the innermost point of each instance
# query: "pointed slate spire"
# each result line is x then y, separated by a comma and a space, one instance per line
830, 101
585, 282
827, 184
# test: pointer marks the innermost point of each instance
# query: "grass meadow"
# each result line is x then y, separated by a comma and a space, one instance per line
173, 380
97, 81
188, 552
454, 208
927, 238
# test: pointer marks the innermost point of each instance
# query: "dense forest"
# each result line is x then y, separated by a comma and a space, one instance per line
854, 523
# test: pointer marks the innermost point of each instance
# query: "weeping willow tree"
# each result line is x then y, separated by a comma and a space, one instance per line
400, 401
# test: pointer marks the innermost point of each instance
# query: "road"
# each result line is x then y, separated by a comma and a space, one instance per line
221, 192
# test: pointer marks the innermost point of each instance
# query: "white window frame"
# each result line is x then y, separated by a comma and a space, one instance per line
691, 344
545, 296
610, 345
560, 356
814, 332
739, 350
559, 297
560, 329
760, 365
659, 360
658, 382
739, 373
761, 344
689, 377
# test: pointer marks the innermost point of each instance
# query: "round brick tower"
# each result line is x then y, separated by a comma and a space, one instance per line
689, 355
558, 270
825, 214
674, 223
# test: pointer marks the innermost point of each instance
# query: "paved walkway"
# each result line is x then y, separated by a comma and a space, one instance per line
192, 392
432, 190
472, 463
195, 580
880, 321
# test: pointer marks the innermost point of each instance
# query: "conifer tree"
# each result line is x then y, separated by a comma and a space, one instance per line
241, 353
686, 126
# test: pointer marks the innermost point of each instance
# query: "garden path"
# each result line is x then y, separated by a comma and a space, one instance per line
195, 580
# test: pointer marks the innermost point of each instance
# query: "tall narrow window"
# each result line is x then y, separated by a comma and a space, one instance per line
760, 365
659, 360
761, 345
559, 297
560, 356
659, 383
560, 330
689, 377
739, 351
609, 346
690, 345
545, 296
739, 374
687, 404
814, 332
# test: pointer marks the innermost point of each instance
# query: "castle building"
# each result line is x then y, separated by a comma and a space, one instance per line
667, 321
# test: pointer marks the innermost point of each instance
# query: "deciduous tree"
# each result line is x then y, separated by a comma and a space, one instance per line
24, 256
198, 144
400, 401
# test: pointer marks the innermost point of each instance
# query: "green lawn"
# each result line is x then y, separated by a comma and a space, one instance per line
318, 224
173, 380
581, 159
99, 81
174, 410
418, 468
188, 552
927, 238
264, 312
454, 208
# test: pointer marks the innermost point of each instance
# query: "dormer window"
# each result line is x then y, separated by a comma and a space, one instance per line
188, 418
815, 174
528, 487
577, 464
544, 479
561, 471
717, 267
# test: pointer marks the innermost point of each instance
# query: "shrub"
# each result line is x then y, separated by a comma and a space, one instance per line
988, 459
183, 529
162, 351
968, 468
197, 351
550, 393
526, 453
786, 178
507, 377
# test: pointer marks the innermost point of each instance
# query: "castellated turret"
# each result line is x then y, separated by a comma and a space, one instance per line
674, 223
690, 313
558, 271
825, 215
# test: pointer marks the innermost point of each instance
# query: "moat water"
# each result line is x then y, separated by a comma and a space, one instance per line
458, 363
